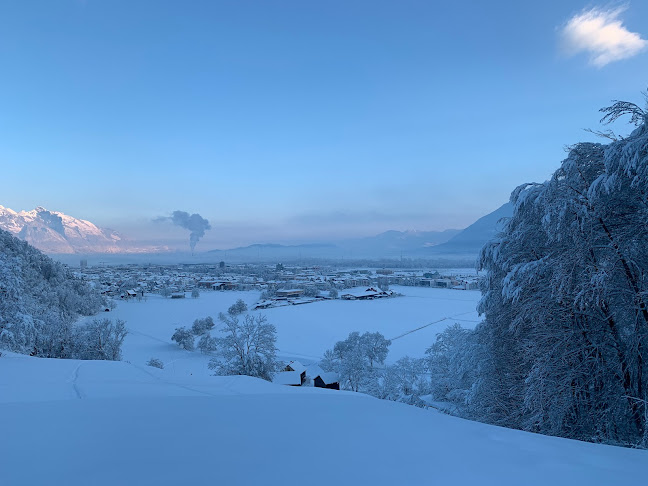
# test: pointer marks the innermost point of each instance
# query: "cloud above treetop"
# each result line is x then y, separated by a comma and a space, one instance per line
600, 33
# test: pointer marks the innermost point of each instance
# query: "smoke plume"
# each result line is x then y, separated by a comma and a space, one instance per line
192, 222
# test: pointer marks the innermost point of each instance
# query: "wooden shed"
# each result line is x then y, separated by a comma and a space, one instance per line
327, 380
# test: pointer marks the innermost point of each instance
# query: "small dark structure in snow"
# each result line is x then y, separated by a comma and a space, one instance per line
285, 294
369, 294
327, 380
178, 295
225, 286
264, 304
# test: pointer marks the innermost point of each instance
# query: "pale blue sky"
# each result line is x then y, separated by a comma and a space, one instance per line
297, 120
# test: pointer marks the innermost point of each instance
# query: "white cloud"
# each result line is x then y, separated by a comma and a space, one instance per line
600, 33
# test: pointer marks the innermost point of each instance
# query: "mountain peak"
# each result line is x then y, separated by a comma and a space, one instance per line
55, 233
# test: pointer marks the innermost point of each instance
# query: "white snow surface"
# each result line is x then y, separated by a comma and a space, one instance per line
305, 331
66, 422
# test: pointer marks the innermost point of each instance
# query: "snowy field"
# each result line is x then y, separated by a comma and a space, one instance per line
93, 423
303, 331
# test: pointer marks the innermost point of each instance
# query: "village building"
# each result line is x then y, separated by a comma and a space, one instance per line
297, 367
327, 380
289, 378
224, 286
367, 294
289, 293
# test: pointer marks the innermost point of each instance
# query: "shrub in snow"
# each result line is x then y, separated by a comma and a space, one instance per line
311, 291
247, 347
100, 339
201, 326
195, 293
184, 337
207, 344
333, 293
155, 363
239, 307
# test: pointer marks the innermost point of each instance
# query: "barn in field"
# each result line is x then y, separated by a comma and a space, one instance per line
297, 367
327, 380
289, 378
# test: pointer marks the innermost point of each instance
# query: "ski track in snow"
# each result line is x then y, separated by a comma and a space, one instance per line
139, 333
75, 384
406, 333
167, 382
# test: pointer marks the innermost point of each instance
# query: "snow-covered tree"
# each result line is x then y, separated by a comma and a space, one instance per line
353, 359
39, 301
246, 347
375, 347
100, 339
450, 365
238, 307
202, 326
207, 344
561, 350
311, 291
195, 293
184, 337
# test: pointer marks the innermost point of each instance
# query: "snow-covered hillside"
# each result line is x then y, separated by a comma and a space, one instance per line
67, 422
57, 233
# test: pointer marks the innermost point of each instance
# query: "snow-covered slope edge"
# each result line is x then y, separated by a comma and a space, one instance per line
68, 422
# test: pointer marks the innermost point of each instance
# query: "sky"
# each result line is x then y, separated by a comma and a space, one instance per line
301, 121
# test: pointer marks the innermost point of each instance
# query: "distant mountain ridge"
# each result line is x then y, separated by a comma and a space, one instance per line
475, 236
54, 232
449, 244
390, 244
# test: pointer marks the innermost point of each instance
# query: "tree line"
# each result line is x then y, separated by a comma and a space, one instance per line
40, 303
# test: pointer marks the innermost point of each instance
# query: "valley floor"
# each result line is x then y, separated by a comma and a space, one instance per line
304, 332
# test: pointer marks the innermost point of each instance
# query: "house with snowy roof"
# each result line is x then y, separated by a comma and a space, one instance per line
289, 378
327, 380
296, 367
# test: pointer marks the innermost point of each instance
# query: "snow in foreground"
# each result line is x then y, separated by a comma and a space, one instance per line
67, 422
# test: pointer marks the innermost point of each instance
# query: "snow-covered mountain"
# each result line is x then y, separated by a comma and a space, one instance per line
54, 232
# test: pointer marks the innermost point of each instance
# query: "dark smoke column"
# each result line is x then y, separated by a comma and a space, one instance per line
194, 223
